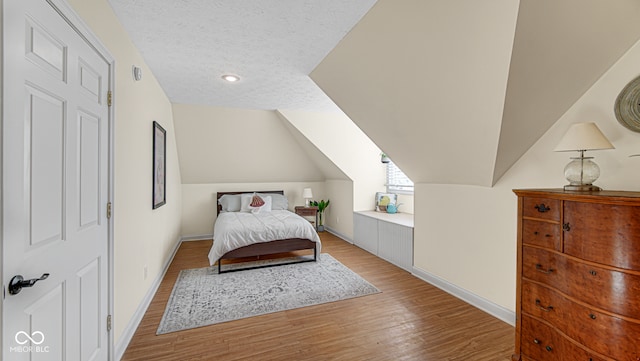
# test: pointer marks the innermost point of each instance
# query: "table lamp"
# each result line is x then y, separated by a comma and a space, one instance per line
307, 195
581, 172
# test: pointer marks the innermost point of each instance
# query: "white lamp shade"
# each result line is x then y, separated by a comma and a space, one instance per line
307, 194
583, 136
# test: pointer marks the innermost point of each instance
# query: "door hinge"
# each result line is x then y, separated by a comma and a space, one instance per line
109, 210
108, 323
109, 98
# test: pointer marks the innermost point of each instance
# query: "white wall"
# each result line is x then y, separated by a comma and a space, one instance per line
143, 237
199, 201
467, 235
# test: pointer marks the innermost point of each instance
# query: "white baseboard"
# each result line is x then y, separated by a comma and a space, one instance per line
199, 237
134, 322
485, 305
338, 234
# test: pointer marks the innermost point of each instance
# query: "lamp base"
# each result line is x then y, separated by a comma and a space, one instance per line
582, 188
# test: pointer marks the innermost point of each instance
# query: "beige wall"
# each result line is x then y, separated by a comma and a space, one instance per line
143, 237
467, 235
347, 147
355, 154
199, 201
550, 52
1, 167
228, 145
229, 149
339, 214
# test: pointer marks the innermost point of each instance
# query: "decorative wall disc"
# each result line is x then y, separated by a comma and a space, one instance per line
627, 106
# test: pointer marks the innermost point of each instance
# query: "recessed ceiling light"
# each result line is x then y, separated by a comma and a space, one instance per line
231, 78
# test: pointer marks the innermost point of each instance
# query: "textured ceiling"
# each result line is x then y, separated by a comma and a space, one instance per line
272, 45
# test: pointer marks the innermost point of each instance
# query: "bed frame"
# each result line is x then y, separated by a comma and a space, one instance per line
266, 248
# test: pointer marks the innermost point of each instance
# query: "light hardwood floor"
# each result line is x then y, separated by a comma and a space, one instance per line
408, 320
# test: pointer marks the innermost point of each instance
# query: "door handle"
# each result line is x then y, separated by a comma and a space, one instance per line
17, 282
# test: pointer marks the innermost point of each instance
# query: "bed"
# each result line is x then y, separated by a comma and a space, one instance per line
242, 231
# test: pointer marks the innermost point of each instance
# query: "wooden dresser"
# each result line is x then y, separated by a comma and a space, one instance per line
578, 276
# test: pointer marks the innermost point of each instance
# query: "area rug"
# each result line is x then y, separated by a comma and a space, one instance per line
202, 297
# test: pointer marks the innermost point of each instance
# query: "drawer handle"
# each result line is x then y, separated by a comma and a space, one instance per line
536, 341
549, 348
593, 273
545, 309
566, 227
592, 316
540, 269
542, 208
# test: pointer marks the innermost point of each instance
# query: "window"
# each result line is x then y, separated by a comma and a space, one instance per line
397, 181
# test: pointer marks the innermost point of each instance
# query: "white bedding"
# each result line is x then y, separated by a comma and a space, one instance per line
233, 230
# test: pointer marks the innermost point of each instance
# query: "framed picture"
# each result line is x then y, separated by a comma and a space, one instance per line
384, 199
159, 165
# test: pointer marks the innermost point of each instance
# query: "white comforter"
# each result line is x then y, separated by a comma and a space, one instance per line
233, 230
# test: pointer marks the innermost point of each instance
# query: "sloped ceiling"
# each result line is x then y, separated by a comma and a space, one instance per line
561, 48
227, 145
328, 168
454, 93
426, 81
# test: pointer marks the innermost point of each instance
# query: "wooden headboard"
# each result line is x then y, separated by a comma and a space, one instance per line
220, 194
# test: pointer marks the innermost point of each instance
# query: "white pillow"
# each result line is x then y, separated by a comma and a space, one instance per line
245, 203
266, 207
230, 203
245, 200
278, 201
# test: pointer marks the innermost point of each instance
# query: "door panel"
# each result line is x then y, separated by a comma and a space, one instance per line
90, 81
89, 170
44, 145
55, 187
46, 319
43, 49
89, 279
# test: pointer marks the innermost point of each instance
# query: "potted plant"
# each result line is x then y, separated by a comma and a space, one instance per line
322, 205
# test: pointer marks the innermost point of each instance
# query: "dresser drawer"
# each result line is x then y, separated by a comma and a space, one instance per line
602, 333
541, 208
610, 290
607, 289
544, 266
540, 342
603, 233
543, 234
306, 211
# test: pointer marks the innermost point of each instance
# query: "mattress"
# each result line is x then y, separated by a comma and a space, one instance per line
233, 230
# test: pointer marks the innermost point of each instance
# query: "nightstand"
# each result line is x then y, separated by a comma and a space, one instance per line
310, 211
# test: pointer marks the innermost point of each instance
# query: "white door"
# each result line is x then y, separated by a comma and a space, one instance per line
55, 188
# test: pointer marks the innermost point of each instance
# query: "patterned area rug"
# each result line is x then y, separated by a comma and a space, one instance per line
202, 297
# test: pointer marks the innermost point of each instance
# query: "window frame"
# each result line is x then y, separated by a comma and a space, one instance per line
397, 188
